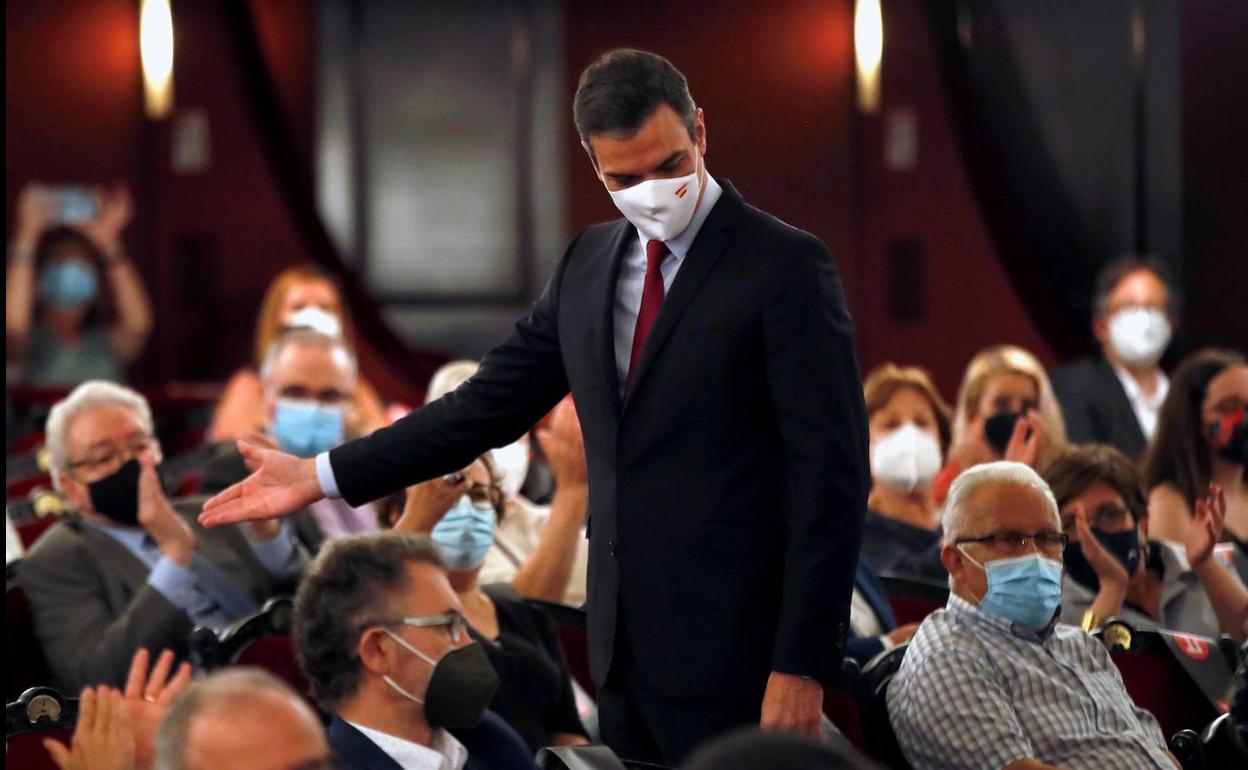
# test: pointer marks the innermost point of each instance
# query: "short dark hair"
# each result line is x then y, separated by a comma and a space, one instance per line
623, 88
1078, 467
1179, 454
354, 582
1118, 269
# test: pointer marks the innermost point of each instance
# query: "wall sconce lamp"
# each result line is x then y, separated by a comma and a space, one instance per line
868, 51
156, 52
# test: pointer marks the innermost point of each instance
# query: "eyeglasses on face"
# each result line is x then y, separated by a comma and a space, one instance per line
454, 622
102, 461
1010, 542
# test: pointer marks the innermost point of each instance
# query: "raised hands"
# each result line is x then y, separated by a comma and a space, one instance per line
1109, 570
147, 698
104, 738
1206, 526
279, 485
116, 208
564, 446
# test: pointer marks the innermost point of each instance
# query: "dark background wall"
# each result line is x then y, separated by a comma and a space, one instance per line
776, 81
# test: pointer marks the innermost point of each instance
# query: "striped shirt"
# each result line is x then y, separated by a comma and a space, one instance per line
977, 691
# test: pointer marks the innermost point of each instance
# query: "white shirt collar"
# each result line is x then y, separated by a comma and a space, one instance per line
444, 753
679, 246
1135, 395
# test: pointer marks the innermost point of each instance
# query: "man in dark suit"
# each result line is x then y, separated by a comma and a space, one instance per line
710, 354
131, 569
1114, 398
379, 633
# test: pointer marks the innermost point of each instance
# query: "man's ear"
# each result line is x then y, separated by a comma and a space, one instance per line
699, 130
952, 559
372, 652
1100, 328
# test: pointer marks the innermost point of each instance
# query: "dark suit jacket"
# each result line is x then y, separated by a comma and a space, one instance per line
864, 648
92, 606
1096, 408
492, 745
727, 489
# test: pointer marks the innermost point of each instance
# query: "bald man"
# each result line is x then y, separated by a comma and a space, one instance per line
243, 719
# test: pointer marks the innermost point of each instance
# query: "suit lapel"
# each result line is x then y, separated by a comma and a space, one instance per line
709, 245
354, 748
617, 247
1124, 413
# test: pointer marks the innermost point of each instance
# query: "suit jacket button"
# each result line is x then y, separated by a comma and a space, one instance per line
611, 548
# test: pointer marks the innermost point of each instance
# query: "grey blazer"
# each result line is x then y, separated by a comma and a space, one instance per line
92, 606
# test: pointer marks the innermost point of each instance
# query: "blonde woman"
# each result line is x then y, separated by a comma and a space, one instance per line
1006, 410
307, 296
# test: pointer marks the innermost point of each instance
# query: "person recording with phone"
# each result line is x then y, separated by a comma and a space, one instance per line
55, 333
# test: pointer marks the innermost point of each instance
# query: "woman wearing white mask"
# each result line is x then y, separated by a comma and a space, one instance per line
910, 428
540, 550
535, 695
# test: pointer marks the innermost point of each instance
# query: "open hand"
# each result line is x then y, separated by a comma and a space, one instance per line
1206, 527
279, 485
147, 698
1027, 440
793, 705
115, 211
564, 446
36, 210
172, 535
427, 502
103, 739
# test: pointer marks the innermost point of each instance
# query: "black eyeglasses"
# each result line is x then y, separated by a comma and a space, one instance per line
1012, 542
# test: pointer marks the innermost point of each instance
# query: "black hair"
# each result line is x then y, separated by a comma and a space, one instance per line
623, 88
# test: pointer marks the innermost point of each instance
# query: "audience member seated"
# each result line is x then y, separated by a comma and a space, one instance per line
55, 330
131, 569
381, 636
541, 551
309, 378
1114, 398
1226, 593
303, 296
1006, 410
535, 693
1202, 438
910, 431
241, 719
993, 681
1113, 569
872, 627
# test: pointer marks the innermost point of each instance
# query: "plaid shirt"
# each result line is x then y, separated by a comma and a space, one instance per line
979, 692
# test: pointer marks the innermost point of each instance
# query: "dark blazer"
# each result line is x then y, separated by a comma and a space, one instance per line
92, 606
727, 489
1096, 408
492, 745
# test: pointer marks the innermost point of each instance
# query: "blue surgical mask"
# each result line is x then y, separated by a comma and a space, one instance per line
68, 283
307, 428
464, 535
1025, 589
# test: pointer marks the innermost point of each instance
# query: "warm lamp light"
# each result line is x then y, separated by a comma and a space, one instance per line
869, 50
156, 51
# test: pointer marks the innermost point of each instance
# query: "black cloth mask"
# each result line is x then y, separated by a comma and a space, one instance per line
1124, 546
117, 495
1229, 437
460, 689
998, 429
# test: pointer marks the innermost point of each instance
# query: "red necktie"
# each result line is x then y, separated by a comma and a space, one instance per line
651, 301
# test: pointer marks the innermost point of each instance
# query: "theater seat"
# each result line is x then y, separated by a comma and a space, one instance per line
570, 623
840, 704
878, 736
913, 598
262, 639
1155, 680
25, 666
38, 713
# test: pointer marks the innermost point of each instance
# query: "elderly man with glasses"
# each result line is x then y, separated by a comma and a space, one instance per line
131, 568
381, 636
992, 681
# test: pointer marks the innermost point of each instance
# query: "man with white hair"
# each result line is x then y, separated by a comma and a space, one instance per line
131, 568
992, 681
243, 719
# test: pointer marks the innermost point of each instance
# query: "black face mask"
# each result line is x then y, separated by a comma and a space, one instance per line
998, 429
117, 495
1229, 438
461, 687
1124, 546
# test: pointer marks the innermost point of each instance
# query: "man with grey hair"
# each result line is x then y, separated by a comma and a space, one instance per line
380, 634
242, 719
131, 568
992, 681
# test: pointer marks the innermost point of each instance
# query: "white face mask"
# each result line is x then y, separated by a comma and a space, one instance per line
512, 464
906, 459
1139, 335
661, 209
317, 320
